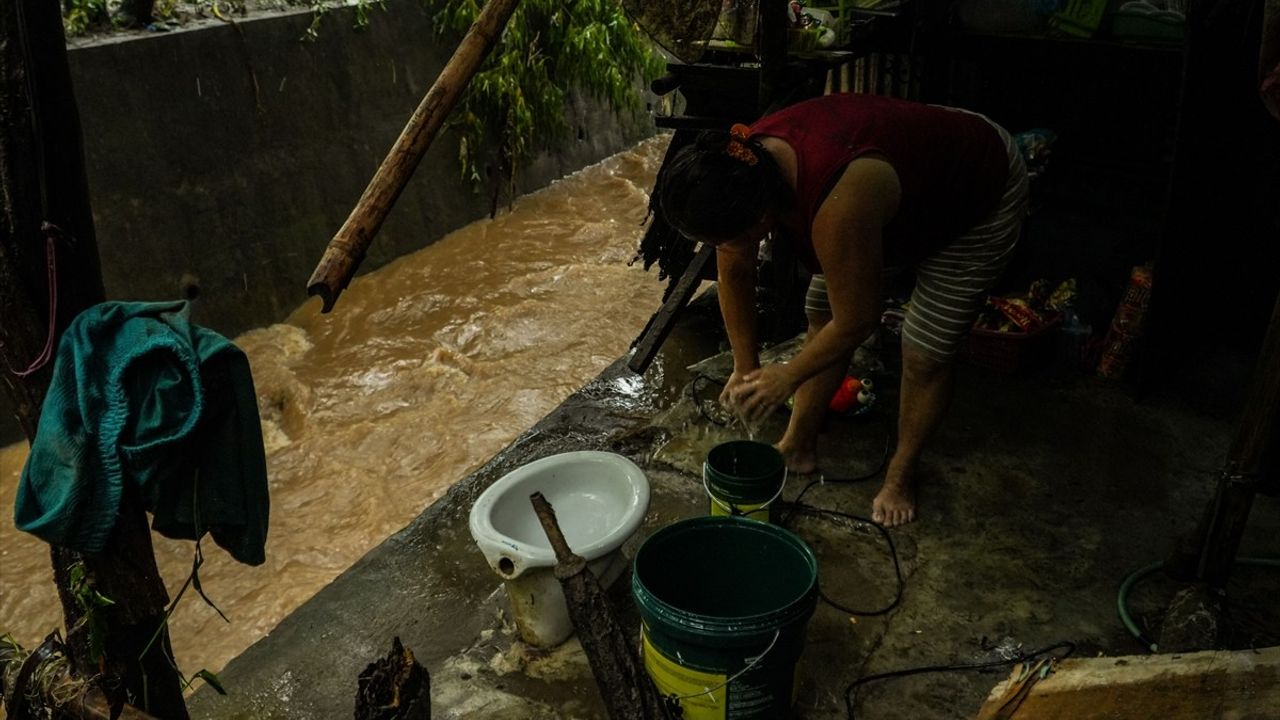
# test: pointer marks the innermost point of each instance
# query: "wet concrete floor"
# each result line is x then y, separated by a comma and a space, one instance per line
1040, 495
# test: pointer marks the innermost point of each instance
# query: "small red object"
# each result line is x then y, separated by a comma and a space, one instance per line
846, 397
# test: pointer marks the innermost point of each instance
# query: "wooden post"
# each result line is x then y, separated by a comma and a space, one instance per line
627, 690
1253, 459
663, 321
772, 48
49, 272
346, 250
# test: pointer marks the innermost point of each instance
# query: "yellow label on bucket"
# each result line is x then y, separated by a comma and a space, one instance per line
755, 512
701, 695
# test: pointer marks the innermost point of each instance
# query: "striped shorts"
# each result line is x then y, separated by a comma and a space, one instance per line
952, 284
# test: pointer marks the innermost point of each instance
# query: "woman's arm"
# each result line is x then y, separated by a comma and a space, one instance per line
736, 289
847, 238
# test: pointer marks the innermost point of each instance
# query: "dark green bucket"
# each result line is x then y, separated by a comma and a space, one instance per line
744, 477
724, 603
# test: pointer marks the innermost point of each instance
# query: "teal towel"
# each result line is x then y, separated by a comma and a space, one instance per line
140, 395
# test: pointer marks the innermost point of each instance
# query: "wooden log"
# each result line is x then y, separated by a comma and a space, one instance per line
662, 322
347, 249
1194, 686
395, 687
627, 690
49, 273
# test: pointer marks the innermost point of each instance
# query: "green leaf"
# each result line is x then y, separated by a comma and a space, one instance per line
211, 679
548, 47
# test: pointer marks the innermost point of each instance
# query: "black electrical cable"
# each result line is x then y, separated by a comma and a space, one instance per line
879, 468
893, 555
697, 401
850, 692
796, 506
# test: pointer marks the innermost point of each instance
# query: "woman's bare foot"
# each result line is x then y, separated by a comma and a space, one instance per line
800, 460
895, 504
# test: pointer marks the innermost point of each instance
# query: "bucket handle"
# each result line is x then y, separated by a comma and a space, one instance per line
751, 662
735, 511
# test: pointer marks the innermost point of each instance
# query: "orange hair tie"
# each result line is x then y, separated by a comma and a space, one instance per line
737, 147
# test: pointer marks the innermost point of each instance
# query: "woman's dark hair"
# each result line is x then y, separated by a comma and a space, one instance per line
707, 193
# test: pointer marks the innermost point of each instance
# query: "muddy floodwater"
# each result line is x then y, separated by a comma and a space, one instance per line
425, 369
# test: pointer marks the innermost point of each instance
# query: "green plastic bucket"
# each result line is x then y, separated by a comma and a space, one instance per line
744, 477
724, 602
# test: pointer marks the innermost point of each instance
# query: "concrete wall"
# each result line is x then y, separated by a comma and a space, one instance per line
227, 156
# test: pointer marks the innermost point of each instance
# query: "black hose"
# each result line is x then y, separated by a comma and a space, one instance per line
850, 692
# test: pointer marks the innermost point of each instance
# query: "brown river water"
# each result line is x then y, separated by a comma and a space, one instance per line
426, 368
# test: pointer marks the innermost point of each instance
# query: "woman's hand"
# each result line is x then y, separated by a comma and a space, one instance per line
733, 384
761, 391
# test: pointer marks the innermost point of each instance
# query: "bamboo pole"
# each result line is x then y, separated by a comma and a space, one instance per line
347, 249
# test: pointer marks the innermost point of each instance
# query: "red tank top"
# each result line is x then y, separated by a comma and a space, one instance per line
952, 165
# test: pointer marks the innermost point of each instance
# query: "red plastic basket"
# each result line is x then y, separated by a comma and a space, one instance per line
1010, 352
